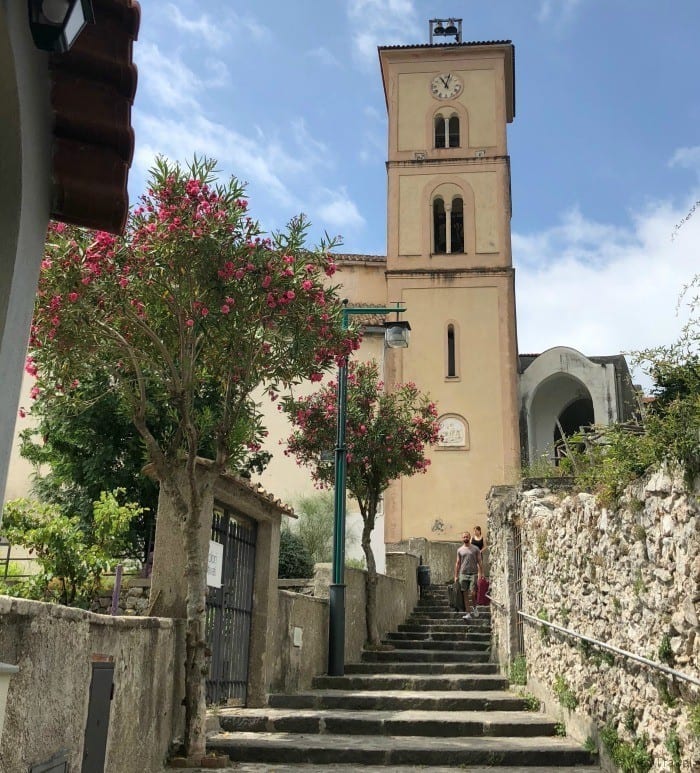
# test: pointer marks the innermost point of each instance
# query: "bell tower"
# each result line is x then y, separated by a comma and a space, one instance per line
449, 261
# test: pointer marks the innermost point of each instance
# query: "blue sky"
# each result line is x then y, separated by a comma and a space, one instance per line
605, 146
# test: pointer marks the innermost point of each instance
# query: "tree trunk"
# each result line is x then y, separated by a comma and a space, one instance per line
371, 581
196, 653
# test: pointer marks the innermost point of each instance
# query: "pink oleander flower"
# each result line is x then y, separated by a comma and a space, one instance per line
225, 308
72, 297
189, 322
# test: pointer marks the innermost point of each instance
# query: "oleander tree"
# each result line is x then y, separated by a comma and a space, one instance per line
185, 315
387, 436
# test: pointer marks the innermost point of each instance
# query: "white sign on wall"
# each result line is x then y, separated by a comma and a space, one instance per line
215, 564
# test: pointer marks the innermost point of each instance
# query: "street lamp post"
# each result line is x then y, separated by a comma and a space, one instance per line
396, 336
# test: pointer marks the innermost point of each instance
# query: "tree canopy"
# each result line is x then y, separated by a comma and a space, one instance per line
185, 315
387, 435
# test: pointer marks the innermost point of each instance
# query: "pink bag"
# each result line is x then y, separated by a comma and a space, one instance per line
482, 588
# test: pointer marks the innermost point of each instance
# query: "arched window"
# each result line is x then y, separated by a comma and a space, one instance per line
439, 226
440, 139
453, 129
451, 357
448, 225
457, 225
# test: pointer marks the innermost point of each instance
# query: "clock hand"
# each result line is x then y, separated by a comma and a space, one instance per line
445, 81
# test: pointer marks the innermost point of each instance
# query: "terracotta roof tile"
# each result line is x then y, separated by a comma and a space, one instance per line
92, 91
353, 258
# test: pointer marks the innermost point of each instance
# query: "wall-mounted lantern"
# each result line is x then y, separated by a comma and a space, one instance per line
55, 24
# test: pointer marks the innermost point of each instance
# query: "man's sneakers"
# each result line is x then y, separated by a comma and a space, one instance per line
467, 616
473, 615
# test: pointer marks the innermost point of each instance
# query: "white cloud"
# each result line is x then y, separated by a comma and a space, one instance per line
170, 83
339, 211
604, 289
382, 22
688, 158
324, 56
209, 32
257, 160
557, 12
216, 33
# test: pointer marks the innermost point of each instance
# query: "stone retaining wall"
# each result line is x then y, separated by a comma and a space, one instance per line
628, 576
47, 704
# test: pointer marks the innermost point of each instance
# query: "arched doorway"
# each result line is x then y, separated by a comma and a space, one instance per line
560, 400
577, 415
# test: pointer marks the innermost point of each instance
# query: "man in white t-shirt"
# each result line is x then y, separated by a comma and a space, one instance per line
468, 570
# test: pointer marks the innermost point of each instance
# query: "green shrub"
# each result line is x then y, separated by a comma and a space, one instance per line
518, 670
71, 556
629, 757
295, 562
564, 693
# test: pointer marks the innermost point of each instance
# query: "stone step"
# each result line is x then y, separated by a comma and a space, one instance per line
445, 627
453, 636
411, 682
437, 724
408, 667
254, 767
395, 655
400, 700
445, 646
391, 751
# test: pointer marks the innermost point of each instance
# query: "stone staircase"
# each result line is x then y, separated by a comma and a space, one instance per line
433, 700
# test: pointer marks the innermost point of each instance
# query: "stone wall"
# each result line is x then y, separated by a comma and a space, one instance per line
301, 628
48, 698
439, 556
628, 576
133, 598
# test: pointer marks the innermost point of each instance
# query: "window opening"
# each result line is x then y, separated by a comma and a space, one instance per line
439, 226
454, 131
451, 367
440, 132
457, 225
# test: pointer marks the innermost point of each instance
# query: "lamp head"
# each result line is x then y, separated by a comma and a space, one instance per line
396, 334
55, 24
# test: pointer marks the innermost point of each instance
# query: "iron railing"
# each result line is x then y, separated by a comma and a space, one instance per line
601, 644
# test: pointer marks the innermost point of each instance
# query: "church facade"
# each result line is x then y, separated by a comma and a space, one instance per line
449, 262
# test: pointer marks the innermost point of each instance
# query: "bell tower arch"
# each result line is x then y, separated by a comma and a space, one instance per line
449, 260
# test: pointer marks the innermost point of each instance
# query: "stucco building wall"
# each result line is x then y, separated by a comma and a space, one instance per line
48, 698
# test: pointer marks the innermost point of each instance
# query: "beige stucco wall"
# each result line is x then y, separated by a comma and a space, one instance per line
48, 698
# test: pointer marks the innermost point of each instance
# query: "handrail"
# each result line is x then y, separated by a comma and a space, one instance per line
616, 650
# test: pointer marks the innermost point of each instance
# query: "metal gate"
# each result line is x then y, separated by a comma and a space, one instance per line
229, 608
518, 588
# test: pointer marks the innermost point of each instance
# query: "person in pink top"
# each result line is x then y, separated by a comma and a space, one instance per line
468, 570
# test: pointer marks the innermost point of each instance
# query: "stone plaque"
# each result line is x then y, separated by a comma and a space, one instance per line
453, 433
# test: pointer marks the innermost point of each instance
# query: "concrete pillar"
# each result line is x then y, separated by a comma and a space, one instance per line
25, 172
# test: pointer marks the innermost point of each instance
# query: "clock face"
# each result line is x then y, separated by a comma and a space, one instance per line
445, 86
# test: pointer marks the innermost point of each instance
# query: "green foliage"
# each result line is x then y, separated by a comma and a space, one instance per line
673, 745
560, 729
629, 757
694, 718
356, 563
71, 557
518, 670
666, 694
295, 562
315, 525
542, 614
665, 652
564, 693
630, 720
87, 443
531, 702
638, 586
542, 548
590, 745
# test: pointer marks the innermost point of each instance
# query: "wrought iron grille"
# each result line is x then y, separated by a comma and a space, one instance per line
229, 608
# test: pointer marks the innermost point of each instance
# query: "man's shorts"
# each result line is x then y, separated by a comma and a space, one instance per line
467, 582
